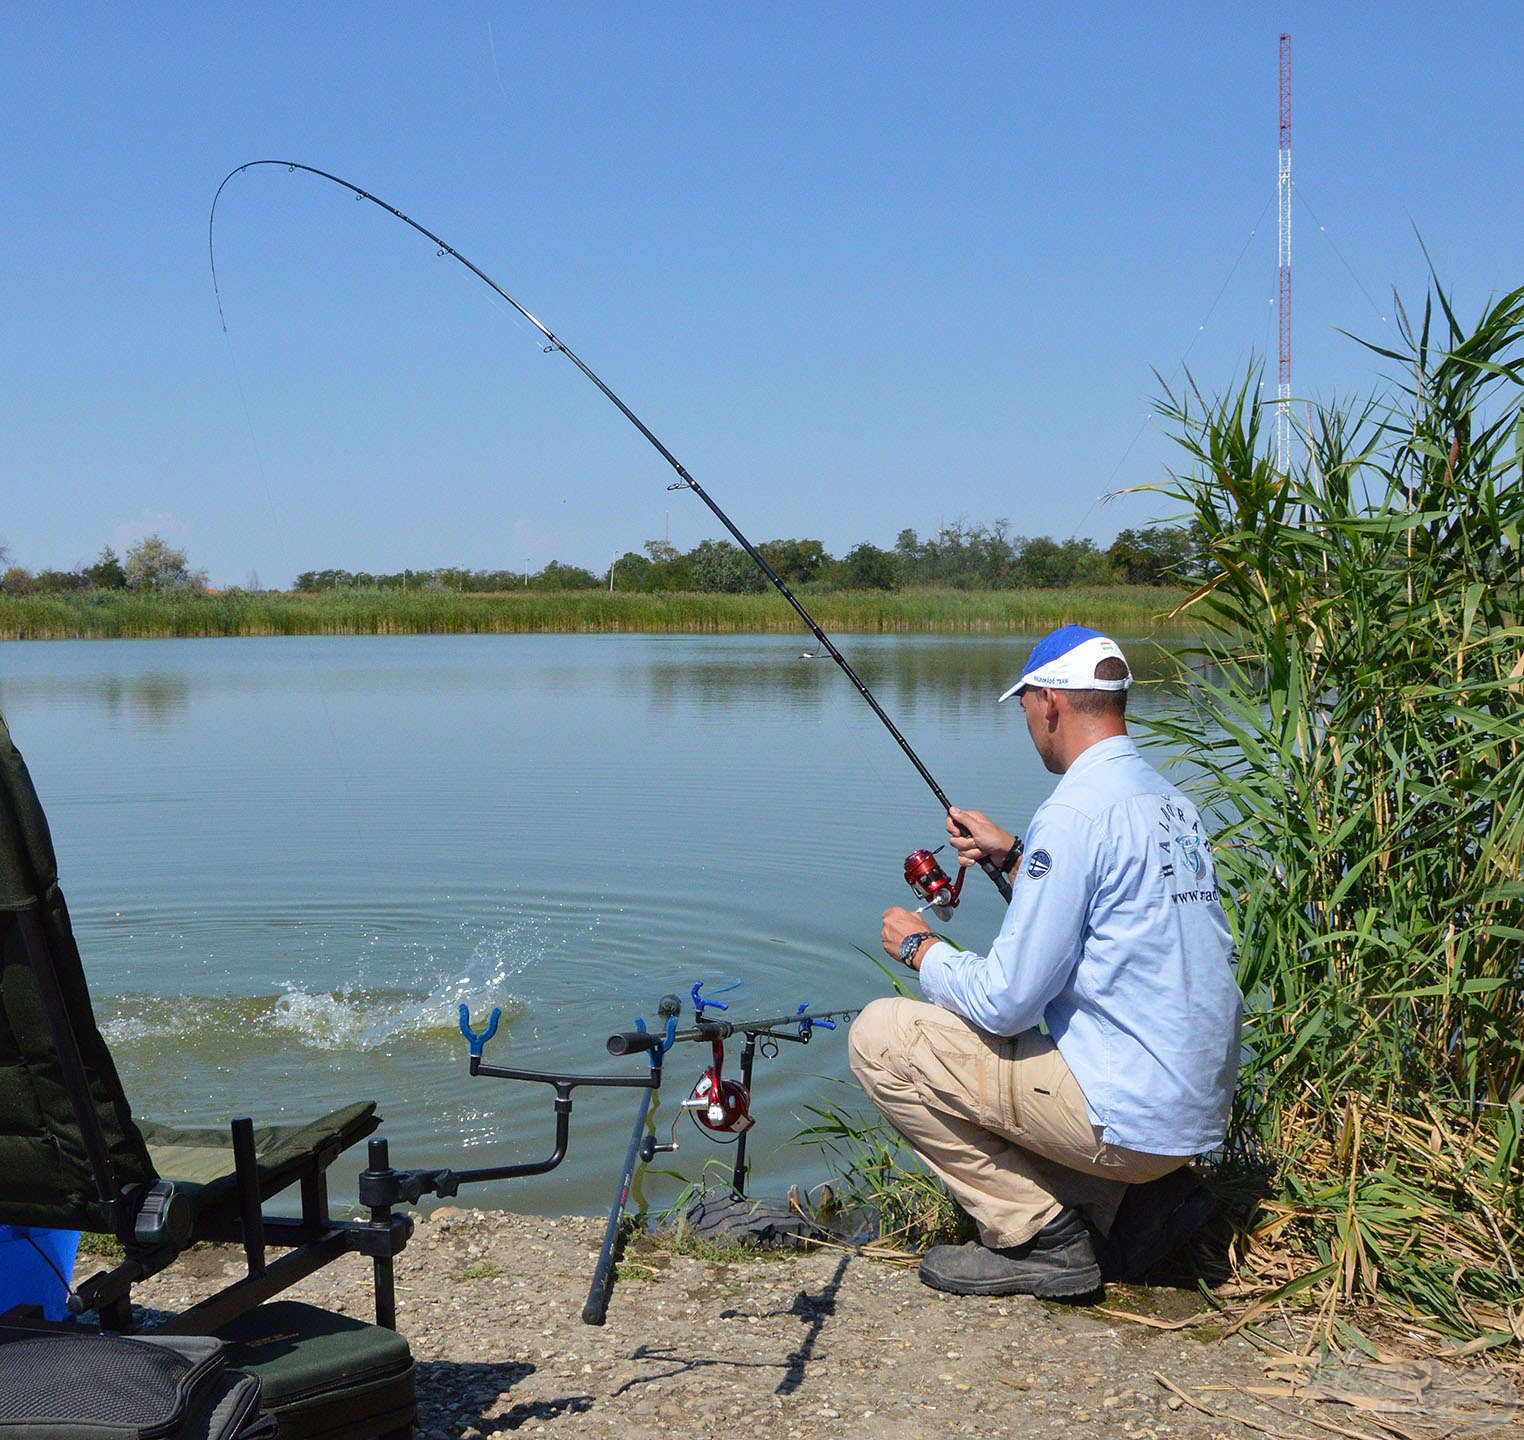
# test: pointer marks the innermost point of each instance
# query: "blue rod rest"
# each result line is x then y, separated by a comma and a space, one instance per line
700, 1004
478, 1043
809, 1022
668, 1037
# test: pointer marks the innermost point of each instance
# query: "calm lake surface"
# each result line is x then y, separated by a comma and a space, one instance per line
289, 860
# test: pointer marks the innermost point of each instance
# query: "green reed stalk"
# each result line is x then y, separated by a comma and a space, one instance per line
119, 614
1357, 730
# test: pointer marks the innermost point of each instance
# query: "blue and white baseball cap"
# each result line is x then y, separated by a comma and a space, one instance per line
1066, 660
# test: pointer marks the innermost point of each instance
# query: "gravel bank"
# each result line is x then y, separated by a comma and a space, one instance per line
813, 1346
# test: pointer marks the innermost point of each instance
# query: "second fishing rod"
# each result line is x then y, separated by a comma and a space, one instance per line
684, 482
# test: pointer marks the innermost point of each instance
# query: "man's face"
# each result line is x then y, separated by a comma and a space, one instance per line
1035, 704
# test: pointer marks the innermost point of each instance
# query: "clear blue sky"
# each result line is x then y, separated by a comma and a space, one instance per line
861, 266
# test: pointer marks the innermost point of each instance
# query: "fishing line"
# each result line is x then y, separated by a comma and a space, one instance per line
1323, 231
324, 701
50, 1263
555, 345
492, 48
1107, 494
370, 936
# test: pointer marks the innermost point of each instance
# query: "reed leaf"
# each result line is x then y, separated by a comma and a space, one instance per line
1356, 729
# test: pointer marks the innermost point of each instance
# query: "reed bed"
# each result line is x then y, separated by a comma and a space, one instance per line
128, 615
1357, 731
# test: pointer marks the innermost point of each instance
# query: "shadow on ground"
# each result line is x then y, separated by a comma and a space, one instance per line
453, 1396
813, 1308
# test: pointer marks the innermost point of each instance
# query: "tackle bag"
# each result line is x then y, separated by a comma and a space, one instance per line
325, 1375
78, 1384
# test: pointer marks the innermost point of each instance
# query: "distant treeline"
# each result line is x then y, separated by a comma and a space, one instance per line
151, 566
958, 557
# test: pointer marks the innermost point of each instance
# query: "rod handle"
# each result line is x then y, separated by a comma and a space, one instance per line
632, 1042
1002, 881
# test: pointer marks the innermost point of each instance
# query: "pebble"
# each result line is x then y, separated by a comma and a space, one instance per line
831, 1346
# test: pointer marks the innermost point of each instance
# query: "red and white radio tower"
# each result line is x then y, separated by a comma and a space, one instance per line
1283, 372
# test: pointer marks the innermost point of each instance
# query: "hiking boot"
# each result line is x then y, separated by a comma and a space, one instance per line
1055, 1263
1152, 1222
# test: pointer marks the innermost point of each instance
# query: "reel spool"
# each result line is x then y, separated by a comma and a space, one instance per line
720, 1104
931, 882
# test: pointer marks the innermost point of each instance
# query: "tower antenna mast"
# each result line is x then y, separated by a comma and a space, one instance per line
1283, 273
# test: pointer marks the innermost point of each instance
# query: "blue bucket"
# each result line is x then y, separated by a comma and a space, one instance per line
26, 1275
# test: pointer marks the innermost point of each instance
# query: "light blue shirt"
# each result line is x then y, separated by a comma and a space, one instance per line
1115, 936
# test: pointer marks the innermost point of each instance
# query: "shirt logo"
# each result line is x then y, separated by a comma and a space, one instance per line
1039, 863
1190, 851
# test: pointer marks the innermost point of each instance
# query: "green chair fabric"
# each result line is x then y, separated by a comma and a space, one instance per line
200, 1162
30, 869
45, 1173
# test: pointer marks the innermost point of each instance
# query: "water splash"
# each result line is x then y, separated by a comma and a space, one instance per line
350, 1018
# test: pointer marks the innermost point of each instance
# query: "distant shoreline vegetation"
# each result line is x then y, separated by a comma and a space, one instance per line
128, 614
964, 579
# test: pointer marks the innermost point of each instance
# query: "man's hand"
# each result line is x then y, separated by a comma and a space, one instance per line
898, 923
984, 840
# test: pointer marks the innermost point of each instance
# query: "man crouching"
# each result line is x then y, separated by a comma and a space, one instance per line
1116, 945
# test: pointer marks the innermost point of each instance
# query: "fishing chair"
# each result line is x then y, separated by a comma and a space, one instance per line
72, 1156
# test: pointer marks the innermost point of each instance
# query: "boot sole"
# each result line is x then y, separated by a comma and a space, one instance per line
1065, 1285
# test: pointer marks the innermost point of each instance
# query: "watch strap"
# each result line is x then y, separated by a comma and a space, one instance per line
911, 943
1013, 857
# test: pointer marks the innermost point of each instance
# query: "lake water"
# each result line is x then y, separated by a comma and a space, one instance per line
289, 860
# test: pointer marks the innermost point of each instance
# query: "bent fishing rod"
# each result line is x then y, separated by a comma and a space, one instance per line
555, 345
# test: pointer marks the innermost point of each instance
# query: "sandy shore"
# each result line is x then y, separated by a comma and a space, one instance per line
829, 1344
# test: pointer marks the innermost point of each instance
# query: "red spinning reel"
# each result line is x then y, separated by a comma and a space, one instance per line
717, 1103
930, 881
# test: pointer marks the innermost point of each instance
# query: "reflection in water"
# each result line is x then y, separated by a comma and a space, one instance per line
948, 672
945, 673
156, 696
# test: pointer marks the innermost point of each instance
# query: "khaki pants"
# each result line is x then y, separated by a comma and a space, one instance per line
1002, 1122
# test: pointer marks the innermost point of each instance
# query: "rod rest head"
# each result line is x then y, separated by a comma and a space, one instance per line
379, 1239
379, 1189
160, 1215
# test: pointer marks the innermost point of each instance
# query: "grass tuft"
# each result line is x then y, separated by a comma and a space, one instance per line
481, 1270
103, 1247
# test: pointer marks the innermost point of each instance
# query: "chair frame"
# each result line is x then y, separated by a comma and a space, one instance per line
314, 1240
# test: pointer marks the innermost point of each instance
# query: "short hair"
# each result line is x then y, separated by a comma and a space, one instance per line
1102, 702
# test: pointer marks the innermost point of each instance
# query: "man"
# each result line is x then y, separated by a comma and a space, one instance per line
1116, 943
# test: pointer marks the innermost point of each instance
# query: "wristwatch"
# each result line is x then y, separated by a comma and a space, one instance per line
911, 943
1012, 857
